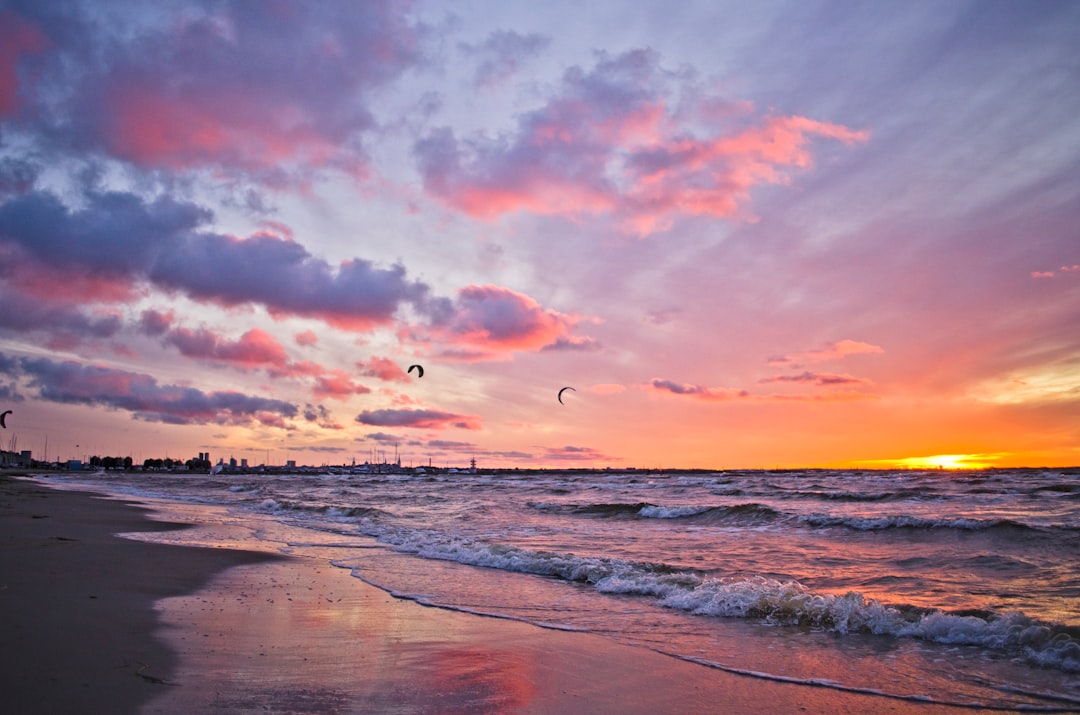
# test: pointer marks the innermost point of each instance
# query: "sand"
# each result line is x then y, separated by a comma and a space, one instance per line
97, 623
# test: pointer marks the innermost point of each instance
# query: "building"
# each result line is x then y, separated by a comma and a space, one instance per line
16, 459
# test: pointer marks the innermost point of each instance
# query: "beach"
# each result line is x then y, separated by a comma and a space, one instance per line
94, 622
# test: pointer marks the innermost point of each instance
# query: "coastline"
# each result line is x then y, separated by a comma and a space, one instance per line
103, 623
78, 602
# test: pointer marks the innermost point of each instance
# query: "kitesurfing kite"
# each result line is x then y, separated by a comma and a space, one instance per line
419, 370
3, 418
562, 391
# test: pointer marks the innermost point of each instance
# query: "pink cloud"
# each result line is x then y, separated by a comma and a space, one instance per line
384, 369
195, 88
421, 419
610, 142
488, 320
255, 348
17, 38
1074, 268
337, 385
307, 338
199, 127
832, 351
695, 391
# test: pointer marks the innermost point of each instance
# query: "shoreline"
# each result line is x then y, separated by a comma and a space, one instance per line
109, 624
80, 626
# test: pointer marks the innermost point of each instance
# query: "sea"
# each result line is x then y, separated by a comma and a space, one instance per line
952, 587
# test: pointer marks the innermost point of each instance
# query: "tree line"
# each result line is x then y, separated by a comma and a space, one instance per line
127, 464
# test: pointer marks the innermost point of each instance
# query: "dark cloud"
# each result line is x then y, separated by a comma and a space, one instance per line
155, 323
115, 234
70, 382
17, 176
571, 344
698, 391
422, 419
450, 445
26, 314
122, 237
272, 91
571, 453
819, 379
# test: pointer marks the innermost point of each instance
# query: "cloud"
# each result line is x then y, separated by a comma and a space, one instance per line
18, 38
832, 351
255, 348
573, 344
451, 446
17, 176
125, 241
384, 369
502, 54
576, 454
71, 324
319, 415
1074, 268
308, 338
819, 379
611, 141
421, 419
712, 394
120, 238
337, 385
70, 382
187, 88
380, 437
488, 320
695, 391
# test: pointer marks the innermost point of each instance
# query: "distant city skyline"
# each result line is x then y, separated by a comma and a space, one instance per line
778, 234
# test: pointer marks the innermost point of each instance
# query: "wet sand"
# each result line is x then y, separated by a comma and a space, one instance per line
98, 623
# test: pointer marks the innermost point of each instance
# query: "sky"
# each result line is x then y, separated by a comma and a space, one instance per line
748, 235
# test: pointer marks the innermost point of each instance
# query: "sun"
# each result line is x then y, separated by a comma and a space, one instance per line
938, 461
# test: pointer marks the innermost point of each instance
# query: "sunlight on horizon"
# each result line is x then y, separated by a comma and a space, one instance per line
939, 461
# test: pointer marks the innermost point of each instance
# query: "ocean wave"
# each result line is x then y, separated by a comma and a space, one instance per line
767, 600
899, 521
277, 506
751, 512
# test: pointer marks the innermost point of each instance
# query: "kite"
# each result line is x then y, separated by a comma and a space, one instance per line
3, 418
562, 391
419, 370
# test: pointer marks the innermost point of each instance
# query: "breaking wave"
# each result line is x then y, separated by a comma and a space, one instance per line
766, 600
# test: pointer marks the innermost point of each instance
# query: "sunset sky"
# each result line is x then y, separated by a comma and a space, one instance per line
748, 234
